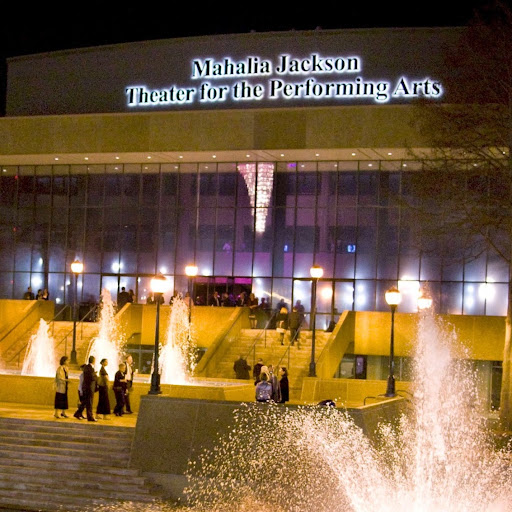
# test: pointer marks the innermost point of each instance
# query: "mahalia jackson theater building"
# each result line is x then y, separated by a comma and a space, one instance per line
253, 156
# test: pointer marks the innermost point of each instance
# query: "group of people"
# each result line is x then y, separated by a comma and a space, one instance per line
124, 297
42, 294
290, 322
90, 383
269, 388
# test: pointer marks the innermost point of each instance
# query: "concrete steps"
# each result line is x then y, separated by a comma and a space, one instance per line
68, 466
272, 352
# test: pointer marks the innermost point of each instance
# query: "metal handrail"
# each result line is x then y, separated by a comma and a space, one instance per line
17, 355
263, 333
79, 322
287, 350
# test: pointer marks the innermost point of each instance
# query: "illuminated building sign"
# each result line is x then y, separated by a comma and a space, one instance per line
288, 78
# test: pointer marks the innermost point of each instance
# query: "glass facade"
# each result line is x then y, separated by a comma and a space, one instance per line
254, 226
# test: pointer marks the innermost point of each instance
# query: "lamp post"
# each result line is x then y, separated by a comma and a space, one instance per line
424, 301
191, 272
316, 273
159, 285
393, 298
77, 267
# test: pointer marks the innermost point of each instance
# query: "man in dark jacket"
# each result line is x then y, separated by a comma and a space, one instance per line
294, 321
89, 387
242, 368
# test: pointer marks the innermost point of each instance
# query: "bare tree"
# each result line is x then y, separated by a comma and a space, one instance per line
465, 194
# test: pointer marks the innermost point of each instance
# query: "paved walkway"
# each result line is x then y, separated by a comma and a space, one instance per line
40, 412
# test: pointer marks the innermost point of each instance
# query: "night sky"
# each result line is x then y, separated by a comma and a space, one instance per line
51, 26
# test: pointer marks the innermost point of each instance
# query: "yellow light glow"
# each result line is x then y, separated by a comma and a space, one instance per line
191, 270
393, 296
159, 284
77, 267
316, 272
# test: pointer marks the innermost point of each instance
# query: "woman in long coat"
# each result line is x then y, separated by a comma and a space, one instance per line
61, 389
103, 408
284, 386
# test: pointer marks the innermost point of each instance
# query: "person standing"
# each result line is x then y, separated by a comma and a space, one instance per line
282, 323
276, 391
284, 385
61, 389
29, 294
103, 408
90, 382
253, 304
215, 299
120, 389
294, 321
241, 368
256, 371
81, 401
122, 298
129, 373
263, 389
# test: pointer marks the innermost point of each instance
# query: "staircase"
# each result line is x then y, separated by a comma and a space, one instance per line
50, 465
62, 334
269, 348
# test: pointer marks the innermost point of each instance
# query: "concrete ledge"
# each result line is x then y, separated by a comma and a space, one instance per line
171, 431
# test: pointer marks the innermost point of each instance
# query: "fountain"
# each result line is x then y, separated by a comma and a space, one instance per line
177, 356
40, 357
108, 344
437, 457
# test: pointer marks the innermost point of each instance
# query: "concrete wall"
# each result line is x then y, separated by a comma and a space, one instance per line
483, 336
170, 432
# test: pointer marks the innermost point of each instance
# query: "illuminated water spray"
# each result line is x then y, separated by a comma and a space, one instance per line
436, 457
177, 356
40, 356
109, 342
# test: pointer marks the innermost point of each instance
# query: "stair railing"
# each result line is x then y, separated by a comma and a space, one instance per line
80, 324
287, 351
262, 334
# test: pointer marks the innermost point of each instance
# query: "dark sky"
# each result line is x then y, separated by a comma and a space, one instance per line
51, 26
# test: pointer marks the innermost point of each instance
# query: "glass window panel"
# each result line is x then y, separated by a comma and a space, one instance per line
8, 188
343, 296
150, 189
111, 284
451, 299
20, 284
496, 302
91, 290
76, 228
364, 296
95, 186
282, 290
475, 269
77, 190
389, 188
303, 264
497, 269
262, 264
7, 246
368, 187
131, 189
474, 298
345, 265
452, 269
430, 269
113, 188
6, 286
56, 286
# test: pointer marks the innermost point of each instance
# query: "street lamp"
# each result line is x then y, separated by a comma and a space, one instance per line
191, 272
316, 273
77, 267
424, 301
159, 286
393, 298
